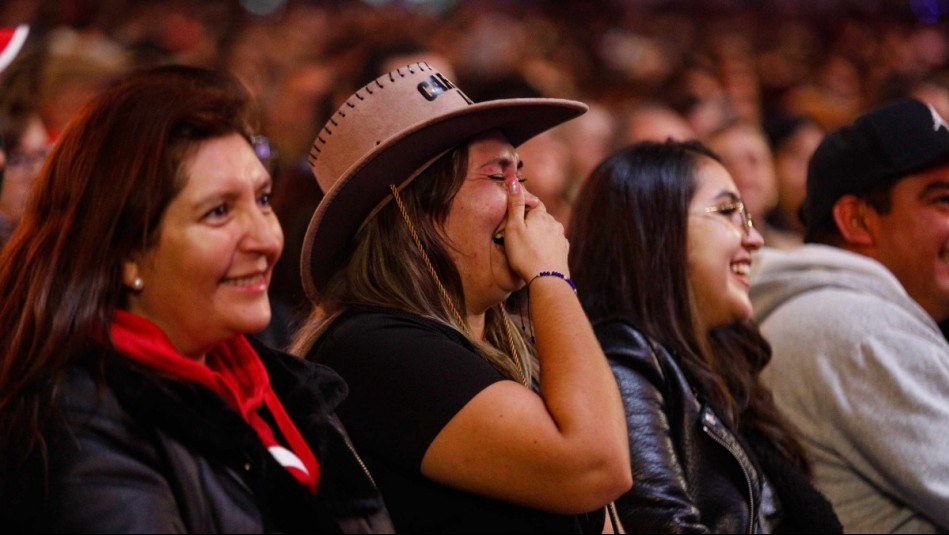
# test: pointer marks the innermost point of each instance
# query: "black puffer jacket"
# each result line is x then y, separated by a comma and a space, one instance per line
691, 474
134, 452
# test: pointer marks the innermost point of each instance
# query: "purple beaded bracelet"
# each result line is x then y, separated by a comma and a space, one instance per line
557, 274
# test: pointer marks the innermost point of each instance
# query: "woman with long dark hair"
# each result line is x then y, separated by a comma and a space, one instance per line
661, 248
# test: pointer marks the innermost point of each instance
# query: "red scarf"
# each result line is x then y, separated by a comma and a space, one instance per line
232, 370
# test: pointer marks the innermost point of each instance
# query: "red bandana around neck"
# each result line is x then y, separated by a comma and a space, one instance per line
232, 370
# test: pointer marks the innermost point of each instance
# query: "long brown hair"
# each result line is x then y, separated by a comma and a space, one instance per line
99, 199
639, 197
386, 269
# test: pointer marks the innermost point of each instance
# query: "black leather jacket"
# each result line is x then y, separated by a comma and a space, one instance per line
690, 473
136, 452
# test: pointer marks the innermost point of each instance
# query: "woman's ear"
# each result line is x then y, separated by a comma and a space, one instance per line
851, 215
131, 277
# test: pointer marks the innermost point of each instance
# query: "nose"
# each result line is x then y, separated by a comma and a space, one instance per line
263, 234
752, 239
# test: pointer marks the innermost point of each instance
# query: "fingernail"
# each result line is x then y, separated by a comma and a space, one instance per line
515, 185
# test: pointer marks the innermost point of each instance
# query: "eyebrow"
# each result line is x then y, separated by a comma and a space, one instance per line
503, 161
264, 184
730, 195
938, 185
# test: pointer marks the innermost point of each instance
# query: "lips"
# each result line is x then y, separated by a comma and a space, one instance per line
742, 267
246, 280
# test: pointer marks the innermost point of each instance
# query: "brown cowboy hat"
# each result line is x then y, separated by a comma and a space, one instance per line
386, 134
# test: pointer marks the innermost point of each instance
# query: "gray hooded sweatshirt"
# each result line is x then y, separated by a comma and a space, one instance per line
863, 372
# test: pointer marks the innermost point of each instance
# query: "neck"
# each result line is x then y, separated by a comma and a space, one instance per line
476, 325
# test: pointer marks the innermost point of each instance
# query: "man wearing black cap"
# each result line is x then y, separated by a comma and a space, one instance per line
860, 365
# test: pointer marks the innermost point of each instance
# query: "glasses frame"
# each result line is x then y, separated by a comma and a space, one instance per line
747, 223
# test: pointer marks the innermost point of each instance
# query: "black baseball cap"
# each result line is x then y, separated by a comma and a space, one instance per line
880, 147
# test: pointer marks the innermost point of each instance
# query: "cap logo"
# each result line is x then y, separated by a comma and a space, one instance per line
436, 85
938, 121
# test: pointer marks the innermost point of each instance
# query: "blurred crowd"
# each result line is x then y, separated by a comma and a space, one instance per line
760, 82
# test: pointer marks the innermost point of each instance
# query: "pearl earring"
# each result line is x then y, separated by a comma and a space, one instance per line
138, 284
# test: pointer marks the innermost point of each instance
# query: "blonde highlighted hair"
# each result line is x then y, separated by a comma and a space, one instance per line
400, 260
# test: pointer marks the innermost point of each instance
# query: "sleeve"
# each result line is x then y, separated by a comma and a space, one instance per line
892, 407
407, 378
659, 501
103, 477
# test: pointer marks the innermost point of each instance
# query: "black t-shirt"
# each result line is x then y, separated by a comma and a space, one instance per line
408, 376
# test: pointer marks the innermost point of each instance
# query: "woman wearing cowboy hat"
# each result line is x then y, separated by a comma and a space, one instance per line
425, 230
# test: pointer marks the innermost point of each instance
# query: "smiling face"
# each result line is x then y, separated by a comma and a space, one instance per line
23, 163
475, 223
790, 164
205, 280
912, 239
719, 248
747, 156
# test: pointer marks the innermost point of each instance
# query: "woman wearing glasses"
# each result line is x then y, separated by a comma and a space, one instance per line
668, 295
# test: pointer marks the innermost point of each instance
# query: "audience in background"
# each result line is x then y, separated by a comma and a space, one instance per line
793, 140
652, 121
744, 150
26, 147
20, 129
708, 61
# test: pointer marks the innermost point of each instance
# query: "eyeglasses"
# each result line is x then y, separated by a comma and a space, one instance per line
736, 212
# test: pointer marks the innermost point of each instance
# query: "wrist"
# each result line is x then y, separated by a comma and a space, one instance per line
553, 274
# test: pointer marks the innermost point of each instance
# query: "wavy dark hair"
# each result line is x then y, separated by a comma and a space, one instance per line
98, 200
640, 198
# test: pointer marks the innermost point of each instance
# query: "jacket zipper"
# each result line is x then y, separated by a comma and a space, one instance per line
362, 464
727, 446
349, 446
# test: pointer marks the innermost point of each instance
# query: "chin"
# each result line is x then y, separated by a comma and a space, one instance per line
510, 283
256, 323
734, 316
740, 305
743, 313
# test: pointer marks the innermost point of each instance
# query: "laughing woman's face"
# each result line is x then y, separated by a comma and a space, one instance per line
720, 243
